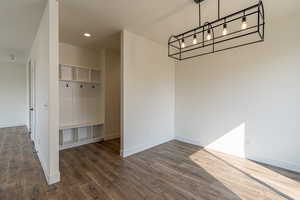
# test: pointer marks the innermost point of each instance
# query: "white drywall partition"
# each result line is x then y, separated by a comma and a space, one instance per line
148, 94
54, 174
13, 103
245, 101
44, 54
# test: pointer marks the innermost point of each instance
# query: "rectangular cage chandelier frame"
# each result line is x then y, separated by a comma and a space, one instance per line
209, 40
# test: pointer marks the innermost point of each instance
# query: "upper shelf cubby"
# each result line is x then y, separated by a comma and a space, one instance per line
79, 74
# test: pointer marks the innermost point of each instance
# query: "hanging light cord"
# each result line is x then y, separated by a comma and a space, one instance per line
219, 12
200, 14
219, 9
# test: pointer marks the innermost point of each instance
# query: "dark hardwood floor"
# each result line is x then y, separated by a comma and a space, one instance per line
174, 170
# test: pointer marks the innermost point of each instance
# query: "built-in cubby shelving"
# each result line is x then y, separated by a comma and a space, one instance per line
81, 74
75, 137
81, 115
80, 125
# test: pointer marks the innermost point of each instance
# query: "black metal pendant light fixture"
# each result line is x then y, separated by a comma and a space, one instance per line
239, 29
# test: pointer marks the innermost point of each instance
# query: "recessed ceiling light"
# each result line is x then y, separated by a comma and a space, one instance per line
87, 34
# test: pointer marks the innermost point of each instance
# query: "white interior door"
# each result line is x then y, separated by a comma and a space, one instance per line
32, 103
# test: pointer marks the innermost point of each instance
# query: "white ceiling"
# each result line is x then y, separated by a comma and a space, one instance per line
104, 19
154, 19
19, 20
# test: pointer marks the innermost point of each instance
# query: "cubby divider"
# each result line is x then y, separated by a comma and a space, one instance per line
79, 74
66, 73
83, 75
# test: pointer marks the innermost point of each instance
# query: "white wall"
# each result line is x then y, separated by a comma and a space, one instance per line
148, 94
112, 94
74, 55
245, 101
13, 102
44, 54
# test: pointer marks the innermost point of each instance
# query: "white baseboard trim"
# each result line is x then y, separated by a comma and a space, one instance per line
198, 143
275, 163
12, 125
143, 147
189, 141
50, 179
44, 167
53, 179
111, 137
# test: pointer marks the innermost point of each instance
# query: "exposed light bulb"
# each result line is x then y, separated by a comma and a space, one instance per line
182, 43
225, 31
87, 34
195, 41
244, 23
208, 37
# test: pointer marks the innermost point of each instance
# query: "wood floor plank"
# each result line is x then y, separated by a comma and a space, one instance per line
171, 171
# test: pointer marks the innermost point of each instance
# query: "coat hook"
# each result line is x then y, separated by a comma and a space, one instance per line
81, 86
67, 85
93, 86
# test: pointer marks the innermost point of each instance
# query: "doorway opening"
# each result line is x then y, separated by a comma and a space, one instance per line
90, 95
32, 103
